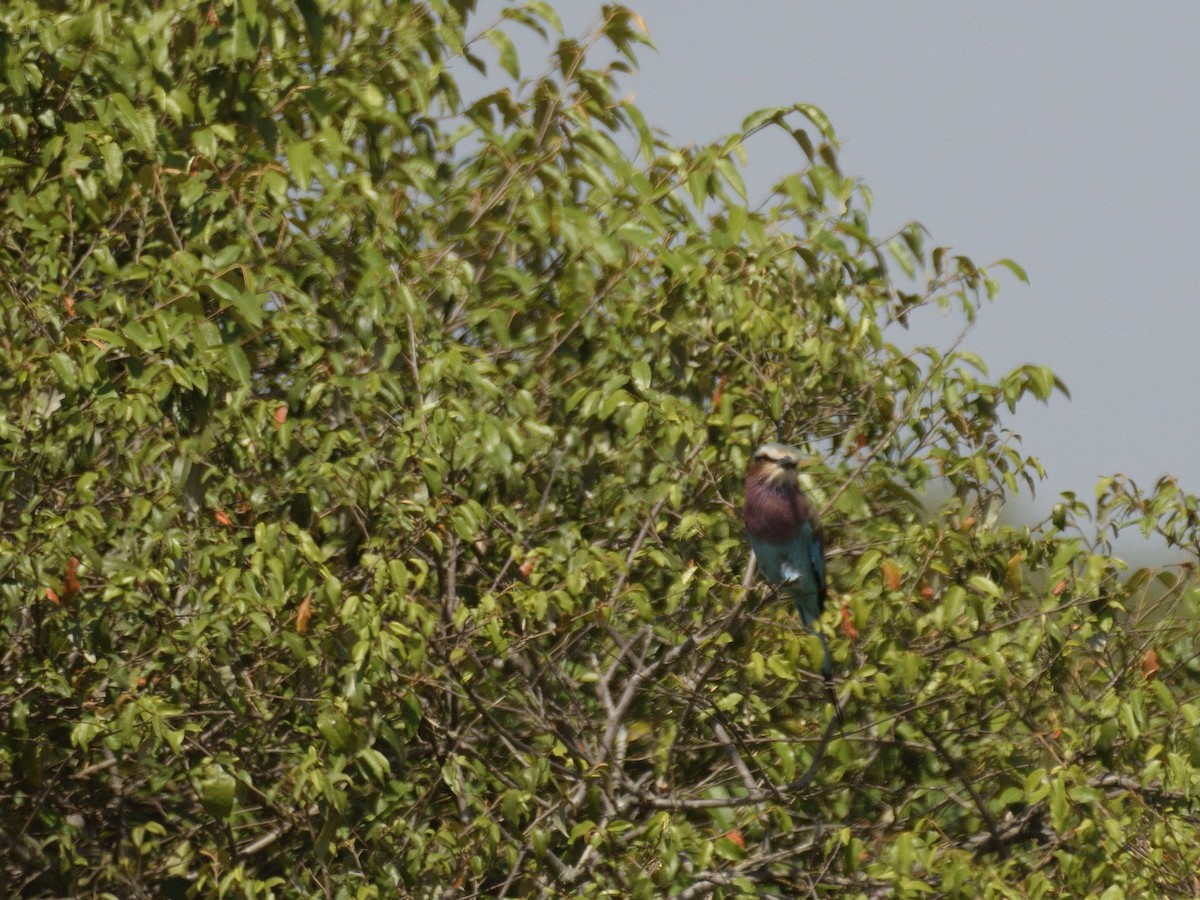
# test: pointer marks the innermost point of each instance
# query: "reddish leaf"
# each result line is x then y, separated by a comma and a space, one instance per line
222, 518
527, 566
737, 837
891, 575
926, 590
720, 391
848, 625
304, 614
1150, 665
1060, 587
281, 414
70, 585
71, 582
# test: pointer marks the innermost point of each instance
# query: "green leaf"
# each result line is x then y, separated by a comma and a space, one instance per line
337, 730
734, 178
1015, 269
217, 789
761, 117
140, 336
244, 303
300, 158
984, 585
138, 122
66, 370
507, 50
818, 118
238, 363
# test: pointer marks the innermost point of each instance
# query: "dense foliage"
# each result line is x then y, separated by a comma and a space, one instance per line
369, 470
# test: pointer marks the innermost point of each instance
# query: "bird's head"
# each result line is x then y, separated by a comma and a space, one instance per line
777, 463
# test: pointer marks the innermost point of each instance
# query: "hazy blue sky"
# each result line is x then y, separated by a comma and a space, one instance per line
1065, 136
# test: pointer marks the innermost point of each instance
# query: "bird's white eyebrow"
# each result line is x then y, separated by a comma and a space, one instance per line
766, 457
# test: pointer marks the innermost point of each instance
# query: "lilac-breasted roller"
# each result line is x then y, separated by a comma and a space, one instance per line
785, 534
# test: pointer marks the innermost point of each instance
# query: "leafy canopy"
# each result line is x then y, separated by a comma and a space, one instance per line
369, 471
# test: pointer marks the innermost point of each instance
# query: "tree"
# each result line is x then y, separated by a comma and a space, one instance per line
369, 466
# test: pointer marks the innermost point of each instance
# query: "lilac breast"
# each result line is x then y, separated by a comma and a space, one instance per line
773, 512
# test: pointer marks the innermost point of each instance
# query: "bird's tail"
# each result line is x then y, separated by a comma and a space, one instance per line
827, 672
826, 659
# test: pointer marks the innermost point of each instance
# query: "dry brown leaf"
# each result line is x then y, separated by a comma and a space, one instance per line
1150, 665
71, 582
304, 614
848, 625
891, 575
720, 391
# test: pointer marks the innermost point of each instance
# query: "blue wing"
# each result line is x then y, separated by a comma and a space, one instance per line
799, 567
803, 570
816, 556
770, 559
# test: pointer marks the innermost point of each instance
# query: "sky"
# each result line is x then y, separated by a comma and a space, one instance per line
1064, 136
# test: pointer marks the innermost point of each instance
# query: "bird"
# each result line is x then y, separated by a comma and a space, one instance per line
785, 534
